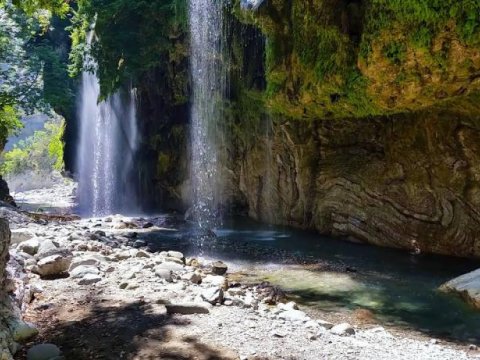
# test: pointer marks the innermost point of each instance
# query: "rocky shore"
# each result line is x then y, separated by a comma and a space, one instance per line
93, 291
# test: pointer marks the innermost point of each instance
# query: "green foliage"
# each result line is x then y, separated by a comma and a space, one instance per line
43, 151
9, 123
334, 58
395, 52
422, 19
58, 7
33, 74
132, 37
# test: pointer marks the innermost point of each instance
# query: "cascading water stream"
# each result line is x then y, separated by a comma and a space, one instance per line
106, 148
208, 85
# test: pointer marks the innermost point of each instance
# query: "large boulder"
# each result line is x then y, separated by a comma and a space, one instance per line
53, 265
466, 286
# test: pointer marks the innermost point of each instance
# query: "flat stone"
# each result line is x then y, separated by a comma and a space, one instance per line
173, 260
43, 352
186, 309
466, 286
176, 254
293, 315
170, 266
142, 254
84, 261
82, 270
278, 333
126, 254
89, 279
343, 329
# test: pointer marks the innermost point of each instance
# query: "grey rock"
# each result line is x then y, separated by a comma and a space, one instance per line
278, 333
343, 329
214, 280
53, 265
165, 274
219, 268
29, 246
84, 261
176, 254
194, 278
89, 279
46, 248
186, 309
173, 260
293, 315
170, 266
20, 235
43, 352
466, 286
139, 243
82, 270
325, 324
213, 295
143, 254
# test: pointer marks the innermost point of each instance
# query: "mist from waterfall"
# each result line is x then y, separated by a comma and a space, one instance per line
208, 77
108, 140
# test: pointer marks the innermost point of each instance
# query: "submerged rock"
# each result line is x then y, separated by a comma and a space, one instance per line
43, 352
467, 286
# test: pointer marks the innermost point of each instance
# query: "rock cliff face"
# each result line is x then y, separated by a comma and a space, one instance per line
408, 182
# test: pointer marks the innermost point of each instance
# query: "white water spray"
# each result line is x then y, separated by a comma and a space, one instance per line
106, 148
208, 85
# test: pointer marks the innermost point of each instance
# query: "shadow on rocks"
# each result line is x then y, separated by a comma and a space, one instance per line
106, 329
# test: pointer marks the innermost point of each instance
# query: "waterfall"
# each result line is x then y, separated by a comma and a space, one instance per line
106, 148
208, 77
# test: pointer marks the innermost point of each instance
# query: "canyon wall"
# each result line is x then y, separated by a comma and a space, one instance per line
408, 182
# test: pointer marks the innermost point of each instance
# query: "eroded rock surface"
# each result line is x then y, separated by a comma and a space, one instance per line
401, 182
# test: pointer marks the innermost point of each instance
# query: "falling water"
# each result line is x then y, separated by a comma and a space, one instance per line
208, 84
106, 147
